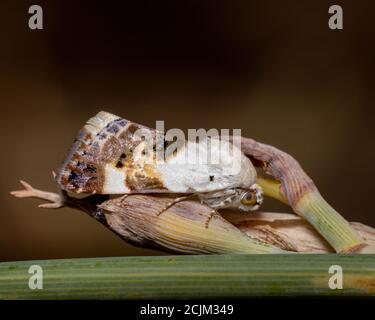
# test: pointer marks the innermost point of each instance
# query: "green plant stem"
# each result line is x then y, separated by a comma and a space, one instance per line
325, 219
271, 188
329, 223
187, 277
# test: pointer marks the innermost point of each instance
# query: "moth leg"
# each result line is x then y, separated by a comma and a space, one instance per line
175, 201
212, 213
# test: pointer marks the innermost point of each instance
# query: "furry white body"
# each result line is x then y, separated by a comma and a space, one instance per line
183, 174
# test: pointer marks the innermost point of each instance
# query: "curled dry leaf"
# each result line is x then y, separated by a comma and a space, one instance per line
182, 228
290, 232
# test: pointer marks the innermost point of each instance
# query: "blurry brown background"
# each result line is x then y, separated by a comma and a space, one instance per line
272, 68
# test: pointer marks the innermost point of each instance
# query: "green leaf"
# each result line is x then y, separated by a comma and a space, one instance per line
186, 277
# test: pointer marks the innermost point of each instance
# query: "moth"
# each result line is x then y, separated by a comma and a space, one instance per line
109, 156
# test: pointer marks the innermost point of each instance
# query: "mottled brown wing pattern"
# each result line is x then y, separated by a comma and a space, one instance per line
106, 143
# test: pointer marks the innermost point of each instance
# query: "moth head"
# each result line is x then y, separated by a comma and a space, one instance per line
251, 199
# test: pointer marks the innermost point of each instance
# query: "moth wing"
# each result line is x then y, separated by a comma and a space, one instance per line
110, 156
103, 159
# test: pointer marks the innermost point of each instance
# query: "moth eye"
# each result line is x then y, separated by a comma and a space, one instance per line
249, 198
